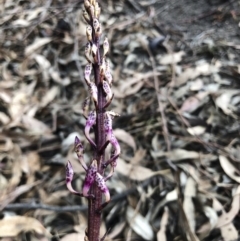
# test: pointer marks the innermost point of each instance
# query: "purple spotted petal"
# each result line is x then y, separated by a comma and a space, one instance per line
107, 90
90, 177
102, 186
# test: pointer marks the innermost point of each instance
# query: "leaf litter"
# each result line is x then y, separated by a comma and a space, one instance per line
179, 135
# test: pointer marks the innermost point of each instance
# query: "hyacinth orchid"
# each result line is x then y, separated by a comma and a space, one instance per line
98, 77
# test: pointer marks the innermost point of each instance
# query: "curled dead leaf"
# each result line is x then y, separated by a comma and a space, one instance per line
139, 224
12, 226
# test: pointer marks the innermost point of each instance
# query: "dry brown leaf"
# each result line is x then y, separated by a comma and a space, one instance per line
38, 43
206, 228
73, 237
203, 68
42, 61
223, 101
12, 226
7, 198
181, 154
193, 102
33, 164
125, 137
35, 126
137, 173
188, 206
161, 235
228, 231
196, 130
229, 169
116, 230
49, 96
235, 208
21, 23
171, 58
138, 156
139, 224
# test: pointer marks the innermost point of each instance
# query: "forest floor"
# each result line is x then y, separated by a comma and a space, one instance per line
176, 70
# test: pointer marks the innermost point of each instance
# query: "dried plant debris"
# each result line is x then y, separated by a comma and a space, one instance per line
175, 78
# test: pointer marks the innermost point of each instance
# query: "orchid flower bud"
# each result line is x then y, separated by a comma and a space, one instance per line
103, 67
89, 33
91, 120
90, 178
115, 144
88, 52
95, 24
69, 178
108, 125
117, 149
98, 31
105, 46
86, 16
79, 151
94, 92
87, 73
108, 91
97, 10
86, 4
94, 50
91, 11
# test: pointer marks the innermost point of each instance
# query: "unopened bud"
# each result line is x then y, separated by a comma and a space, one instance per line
96, 24
91, 11
105, 46
103, 67
107, 90
107, 123
78, 147
98, 32
97, 10
89, 33
87, 4
94, 50
87, 73
86, 16
88, 52
94, 92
